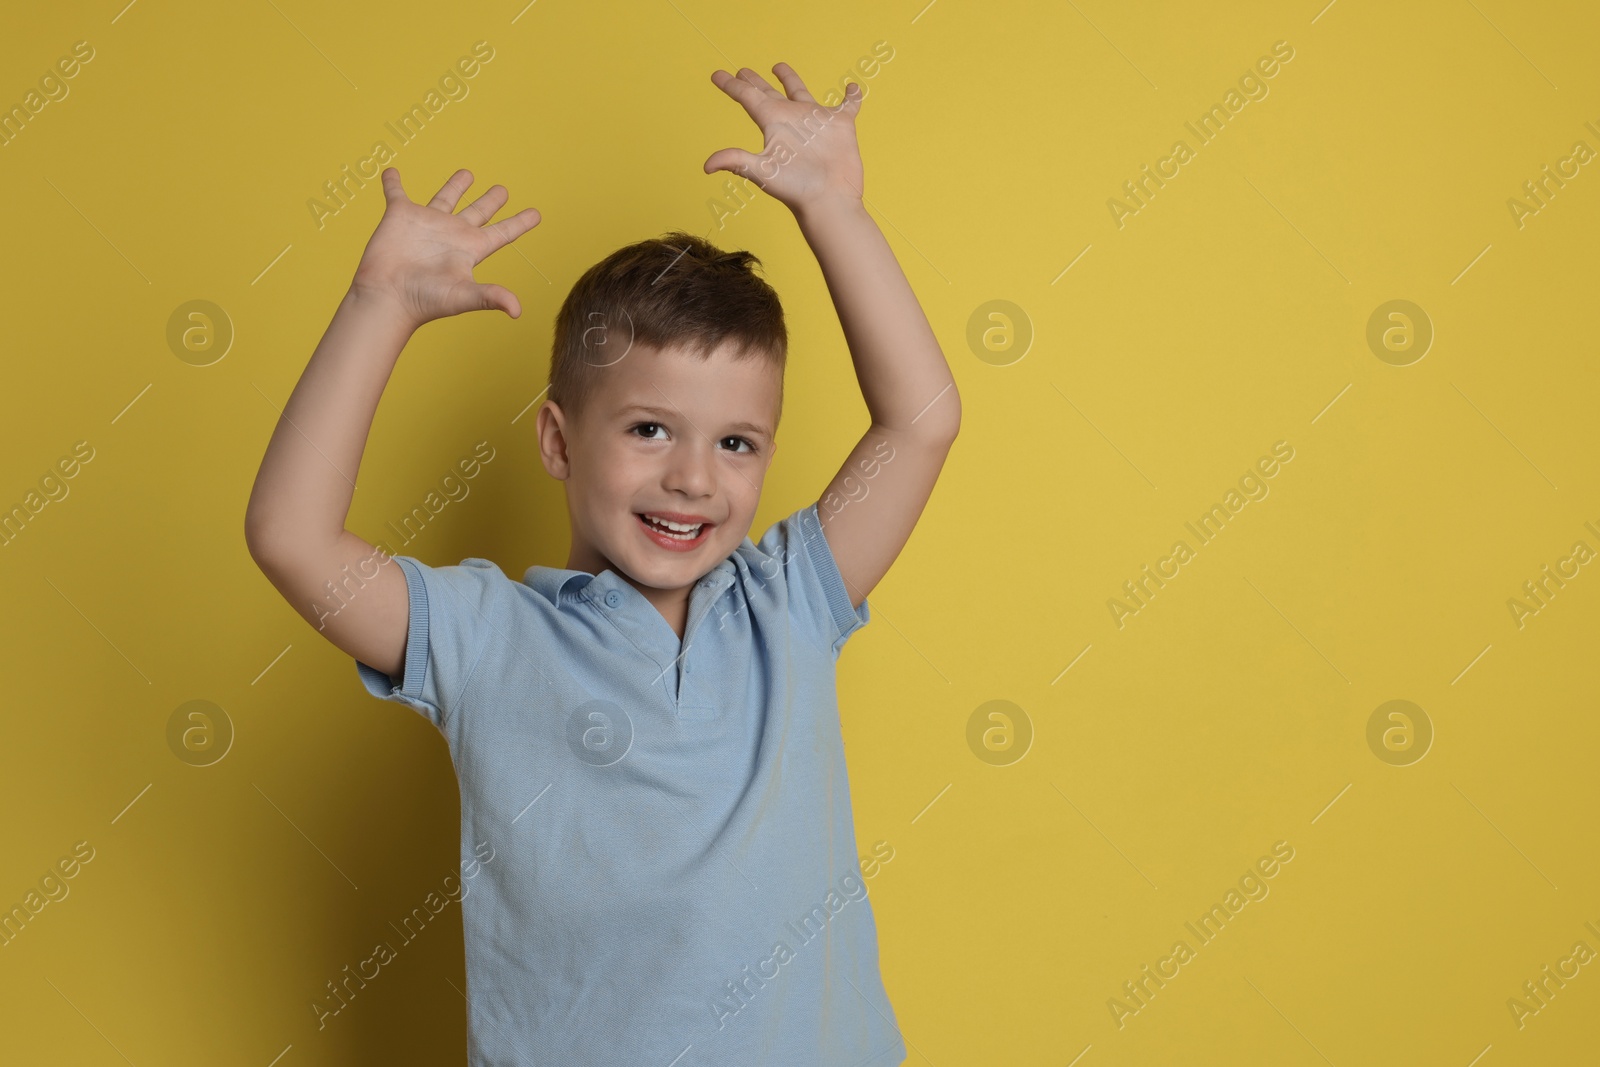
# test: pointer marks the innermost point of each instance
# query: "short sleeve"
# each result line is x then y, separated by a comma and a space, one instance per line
449, 625
819, 602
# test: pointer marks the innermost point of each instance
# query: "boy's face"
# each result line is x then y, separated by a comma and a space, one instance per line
664, 432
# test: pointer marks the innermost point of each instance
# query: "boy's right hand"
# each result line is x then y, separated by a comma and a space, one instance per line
421, 256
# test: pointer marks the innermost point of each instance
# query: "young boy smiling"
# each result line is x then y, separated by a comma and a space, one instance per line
648, 737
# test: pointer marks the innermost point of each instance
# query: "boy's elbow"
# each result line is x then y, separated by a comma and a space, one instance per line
948, 425
260, 545
257, 532
265, 539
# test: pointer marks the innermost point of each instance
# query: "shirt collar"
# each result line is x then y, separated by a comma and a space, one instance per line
561, 586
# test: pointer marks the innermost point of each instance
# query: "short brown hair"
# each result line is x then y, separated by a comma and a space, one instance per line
676, 289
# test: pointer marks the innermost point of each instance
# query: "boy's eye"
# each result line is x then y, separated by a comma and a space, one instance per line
749, 445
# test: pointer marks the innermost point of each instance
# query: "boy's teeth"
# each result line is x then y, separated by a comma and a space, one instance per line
675, 528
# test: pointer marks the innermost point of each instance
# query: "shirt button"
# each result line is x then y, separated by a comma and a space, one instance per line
613, 599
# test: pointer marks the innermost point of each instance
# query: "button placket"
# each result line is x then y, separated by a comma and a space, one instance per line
714, 585
707, 592
649, 634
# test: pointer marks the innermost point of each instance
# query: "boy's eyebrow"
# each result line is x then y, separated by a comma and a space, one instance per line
663, 413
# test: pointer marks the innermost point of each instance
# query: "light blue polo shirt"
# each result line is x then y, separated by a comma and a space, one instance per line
675, 880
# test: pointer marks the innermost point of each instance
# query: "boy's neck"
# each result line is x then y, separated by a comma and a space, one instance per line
673, 604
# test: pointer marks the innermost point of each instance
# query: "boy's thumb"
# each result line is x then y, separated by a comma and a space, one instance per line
392, 189
851, 104
493, 297
736, 160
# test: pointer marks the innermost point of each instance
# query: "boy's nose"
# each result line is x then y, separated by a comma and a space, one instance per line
692, 469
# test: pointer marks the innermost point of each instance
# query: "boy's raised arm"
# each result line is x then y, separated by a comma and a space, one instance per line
812, 164
417, 267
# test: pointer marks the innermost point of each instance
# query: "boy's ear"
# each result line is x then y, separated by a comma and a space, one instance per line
552, 431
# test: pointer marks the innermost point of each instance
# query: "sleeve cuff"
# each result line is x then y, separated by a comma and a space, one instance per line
846, 618
411, 685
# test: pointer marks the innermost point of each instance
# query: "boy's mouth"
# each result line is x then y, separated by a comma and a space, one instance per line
678, 533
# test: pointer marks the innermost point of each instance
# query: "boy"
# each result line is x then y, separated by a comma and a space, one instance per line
648, 739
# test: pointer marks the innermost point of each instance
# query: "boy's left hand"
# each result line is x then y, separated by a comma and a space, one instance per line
810, 155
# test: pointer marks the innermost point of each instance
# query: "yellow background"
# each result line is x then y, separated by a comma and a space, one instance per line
1228, 314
